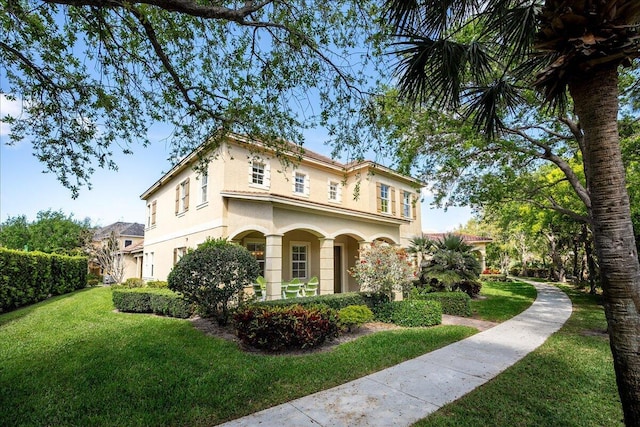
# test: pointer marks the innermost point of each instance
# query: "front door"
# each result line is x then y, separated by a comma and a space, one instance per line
337, 269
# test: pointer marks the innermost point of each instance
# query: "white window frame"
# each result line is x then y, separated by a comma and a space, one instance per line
385, 200
337, 195
406, 204
301, 185
266, 174
204, 185
306, 261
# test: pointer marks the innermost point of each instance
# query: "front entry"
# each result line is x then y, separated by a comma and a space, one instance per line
337, 269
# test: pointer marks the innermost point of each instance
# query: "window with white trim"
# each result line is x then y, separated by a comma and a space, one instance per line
385, 198
299, 260
259, 174
204, 184
334, 192
301, 183
406, 204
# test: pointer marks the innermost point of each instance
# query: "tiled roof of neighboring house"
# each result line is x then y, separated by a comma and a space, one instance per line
467, 238
122, 228
138, 247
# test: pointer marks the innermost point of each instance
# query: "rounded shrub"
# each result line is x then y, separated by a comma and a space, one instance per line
213, 275
282, 328
354, 316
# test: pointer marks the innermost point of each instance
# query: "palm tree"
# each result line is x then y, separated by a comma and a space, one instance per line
454, 265
421, 246
476, 56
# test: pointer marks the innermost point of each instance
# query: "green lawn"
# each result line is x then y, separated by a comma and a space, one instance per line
568, 381
72, 360
502, 300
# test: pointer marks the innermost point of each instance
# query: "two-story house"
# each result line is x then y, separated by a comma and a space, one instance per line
301, 220
129, 238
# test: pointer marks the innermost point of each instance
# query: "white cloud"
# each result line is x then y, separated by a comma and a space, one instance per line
8, 108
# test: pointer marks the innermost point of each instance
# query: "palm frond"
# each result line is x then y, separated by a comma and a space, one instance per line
512, 26
486, 105
430, 17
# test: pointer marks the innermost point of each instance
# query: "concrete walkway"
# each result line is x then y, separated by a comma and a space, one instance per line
410, 391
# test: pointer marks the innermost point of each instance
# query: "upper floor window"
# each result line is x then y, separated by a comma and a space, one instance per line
301, 183
178, 253
259, 175
406, 204
386, 199
182, 196
204, 183
127, 242
334, 191
154, 207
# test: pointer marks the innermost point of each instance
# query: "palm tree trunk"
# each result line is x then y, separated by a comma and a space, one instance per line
595, 97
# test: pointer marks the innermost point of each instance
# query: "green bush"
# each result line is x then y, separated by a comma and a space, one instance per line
148, 300
158, 284
212, 275
30, 277
354, 316
133, 282
453, 303
283, 328
494, 278
334, 301
414, 313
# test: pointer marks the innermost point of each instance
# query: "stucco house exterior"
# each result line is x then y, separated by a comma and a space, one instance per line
308, 218
130, 240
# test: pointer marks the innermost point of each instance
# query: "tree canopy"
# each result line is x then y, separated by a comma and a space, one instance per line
94, 76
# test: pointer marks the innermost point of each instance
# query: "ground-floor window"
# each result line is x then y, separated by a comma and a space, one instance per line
299, 260
257, 249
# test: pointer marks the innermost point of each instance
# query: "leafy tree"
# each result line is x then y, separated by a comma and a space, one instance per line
565, 49
383, 268
212, 275
15, 233
52, 231
95, 75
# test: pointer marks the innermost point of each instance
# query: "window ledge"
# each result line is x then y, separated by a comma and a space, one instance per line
202, 205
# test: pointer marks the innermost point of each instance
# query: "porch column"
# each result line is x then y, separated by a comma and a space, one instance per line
273, 265
326, 266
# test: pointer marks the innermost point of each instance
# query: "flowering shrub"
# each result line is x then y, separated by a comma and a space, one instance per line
383, 268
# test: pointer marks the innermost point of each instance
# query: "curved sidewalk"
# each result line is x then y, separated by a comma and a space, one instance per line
410, 391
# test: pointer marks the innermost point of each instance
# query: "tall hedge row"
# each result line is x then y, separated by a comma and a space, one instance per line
29, 277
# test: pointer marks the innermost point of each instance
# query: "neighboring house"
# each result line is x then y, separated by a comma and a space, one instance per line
130, 236
477, 243
304, 220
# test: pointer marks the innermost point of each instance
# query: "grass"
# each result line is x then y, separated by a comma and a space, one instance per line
72, 360
502, 300
568, 381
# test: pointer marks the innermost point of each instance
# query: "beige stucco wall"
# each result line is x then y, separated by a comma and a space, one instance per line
241, 211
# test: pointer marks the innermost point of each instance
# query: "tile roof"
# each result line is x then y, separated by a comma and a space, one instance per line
121, 228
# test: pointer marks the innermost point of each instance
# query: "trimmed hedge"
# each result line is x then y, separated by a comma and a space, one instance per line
30, 277
334, 301
494, 278
151, 300
280, 328
413, 313
453, 303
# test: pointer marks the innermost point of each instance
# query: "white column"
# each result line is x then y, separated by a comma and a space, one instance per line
273, 265
326, 266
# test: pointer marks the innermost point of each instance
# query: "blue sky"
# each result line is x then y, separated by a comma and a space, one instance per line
115, 196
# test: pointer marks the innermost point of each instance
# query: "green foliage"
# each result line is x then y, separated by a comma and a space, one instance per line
383, 268
452, 303
494, 278
354, 316
133, 282
334, 301
413, 313
29, 277
280, 328
160, 284
212, 276
151, 300
204, 71
51, 232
